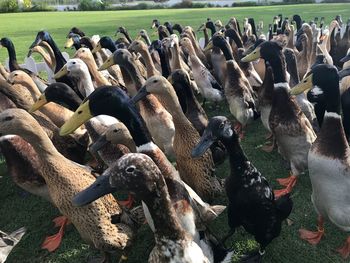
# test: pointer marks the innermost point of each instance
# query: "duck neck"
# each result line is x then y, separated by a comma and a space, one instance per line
177, 59
278, 65
147, 39
98, 77
226, 51
151, 69
42, 144
206, 36
85, 85
126, 34
31, 87
165, 220
60, 60
46, 57
134, 73
13, 65
236, 155
172, 105
163, 63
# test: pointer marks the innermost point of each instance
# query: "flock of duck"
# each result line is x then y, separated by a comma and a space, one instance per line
127, 116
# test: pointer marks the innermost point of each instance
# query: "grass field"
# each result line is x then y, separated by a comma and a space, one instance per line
18, 209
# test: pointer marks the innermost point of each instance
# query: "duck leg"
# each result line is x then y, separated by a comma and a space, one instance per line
269, 148
344, 251
239, 129
51, 243
288, 182
129, 202
315, 237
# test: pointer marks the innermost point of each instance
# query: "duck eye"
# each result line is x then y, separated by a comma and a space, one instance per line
74, 63
80, 112
221, 126
16, 75
8, 118
130, 169
83, 50
115, 131
155, 81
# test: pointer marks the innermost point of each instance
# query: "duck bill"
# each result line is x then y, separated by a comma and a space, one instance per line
97, 48
98, 189
209, 46
97, 145
345, 59
62, 72
30, 52
80, 116
304, 85
69, 43
205, 142
36, 42
39, 103
108, 63
140, 95
254, 55
153, 25
138, 37
201, 27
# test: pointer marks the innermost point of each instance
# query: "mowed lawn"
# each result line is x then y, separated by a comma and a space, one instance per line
19, 209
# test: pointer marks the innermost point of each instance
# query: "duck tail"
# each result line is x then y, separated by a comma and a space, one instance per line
284, 206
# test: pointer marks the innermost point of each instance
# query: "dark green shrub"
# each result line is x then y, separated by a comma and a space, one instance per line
9, 6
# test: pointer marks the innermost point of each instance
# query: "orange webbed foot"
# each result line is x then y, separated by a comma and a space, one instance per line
51, 243
311, 237
289, 183
127, 203
344, 251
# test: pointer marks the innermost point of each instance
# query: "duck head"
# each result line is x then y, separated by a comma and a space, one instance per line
219, 127
119, 57
73, 67
6, 42
104, 42
60, 93
134, 172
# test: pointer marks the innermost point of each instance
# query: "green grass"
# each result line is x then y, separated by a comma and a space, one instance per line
17, 210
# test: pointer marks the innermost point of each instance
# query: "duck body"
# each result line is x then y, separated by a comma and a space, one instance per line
329, 159
251, 199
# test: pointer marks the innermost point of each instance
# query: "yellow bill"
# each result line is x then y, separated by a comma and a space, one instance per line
108, 63
97, 48
254, 55
304, 85
39, 103
69, 43
62, 72
209, 46
80, 116
0, 46
138, 37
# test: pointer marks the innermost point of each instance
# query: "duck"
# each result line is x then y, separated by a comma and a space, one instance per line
114, 102
207, 84
136, 172
238, 92
46, 52
292, 130
158, 120
197, 173
157, 46
9, 241
65, 179
328, 158
251, 202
